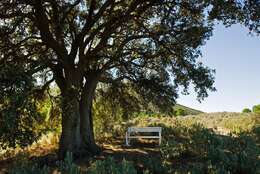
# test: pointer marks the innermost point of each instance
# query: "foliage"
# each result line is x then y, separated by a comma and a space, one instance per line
180, 112
24, 108
109, 165
222, 122
246, 110
151, 46
47, 143
18, 112
23, 166
67, 166
188, 110
29, 169
190, 147
256, 109
187, 147
154, 165
226, 154
225, 122
106, 114
25, 112
256, 133
48, 106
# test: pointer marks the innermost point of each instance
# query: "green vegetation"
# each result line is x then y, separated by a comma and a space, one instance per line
210, 143
210, 153
132, 52
109, 165
256, 109
180, 112
26, 167
246, 110
75, 74
68, 167
187, 110
213, 143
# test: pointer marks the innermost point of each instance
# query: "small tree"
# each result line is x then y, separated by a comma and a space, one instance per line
256, 109
246, 110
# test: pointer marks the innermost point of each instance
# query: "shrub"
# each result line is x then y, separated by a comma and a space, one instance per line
110, 166
67, 166
256, 109
23, 166
211, 153
246, 110
180, 112
150, 167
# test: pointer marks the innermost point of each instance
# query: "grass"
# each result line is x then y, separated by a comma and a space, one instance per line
226, 121
46, 144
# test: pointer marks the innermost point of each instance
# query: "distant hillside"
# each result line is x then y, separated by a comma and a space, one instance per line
188, 111
223, 123
232, 121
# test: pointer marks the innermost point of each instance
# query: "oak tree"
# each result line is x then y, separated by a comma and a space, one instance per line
150, 45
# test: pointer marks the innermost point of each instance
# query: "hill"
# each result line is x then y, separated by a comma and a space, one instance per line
225, 122
187, 110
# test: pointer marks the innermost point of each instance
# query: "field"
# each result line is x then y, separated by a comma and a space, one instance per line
205, 143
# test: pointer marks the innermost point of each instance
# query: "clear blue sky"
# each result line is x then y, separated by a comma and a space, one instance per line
235, 55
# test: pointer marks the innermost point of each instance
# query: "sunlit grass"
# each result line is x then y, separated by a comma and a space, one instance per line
46, 144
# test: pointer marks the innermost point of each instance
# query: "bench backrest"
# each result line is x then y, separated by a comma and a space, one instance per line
144, 129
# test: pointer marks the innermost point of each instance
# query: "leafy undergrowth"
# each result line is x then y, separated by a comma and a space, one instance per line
190, 145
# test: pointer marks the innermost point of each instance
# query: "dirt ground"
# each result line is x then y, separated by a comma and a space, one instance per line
138, 153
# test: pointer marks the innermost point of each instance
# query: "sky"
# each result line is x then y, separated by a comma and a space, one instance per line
235, 55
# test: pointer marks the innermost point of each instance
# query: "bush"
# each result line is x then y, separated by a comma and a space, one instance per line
67, 166
180, 112
246, 110
150, 167
211, 153
23, 166
110, 166
256, 109
30, 169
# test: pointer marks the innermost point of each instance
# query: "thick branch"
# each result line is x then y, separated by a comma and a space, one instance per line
43, 26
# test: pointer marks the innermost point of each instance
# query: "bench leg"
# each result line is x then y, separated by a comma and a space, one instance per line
160, 138
127, 141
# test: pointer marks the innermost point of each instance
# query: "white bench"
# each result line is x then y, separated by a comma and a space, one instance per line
130, 130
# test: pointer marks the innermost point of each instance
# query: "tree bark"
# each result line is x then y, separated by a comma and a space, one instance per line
77, 123
86, 117
70, 139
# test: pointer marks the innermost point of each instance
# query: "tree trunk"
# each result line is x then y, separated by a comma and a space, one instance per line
77, 122
70, 139
86, 119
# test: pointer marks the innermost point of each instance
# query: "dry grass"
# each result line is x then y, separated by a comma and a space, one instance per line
46, 144
229, 121
224, 122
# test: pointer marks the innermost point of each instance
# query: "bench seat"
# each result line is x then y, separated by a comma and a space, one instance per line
143, 130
